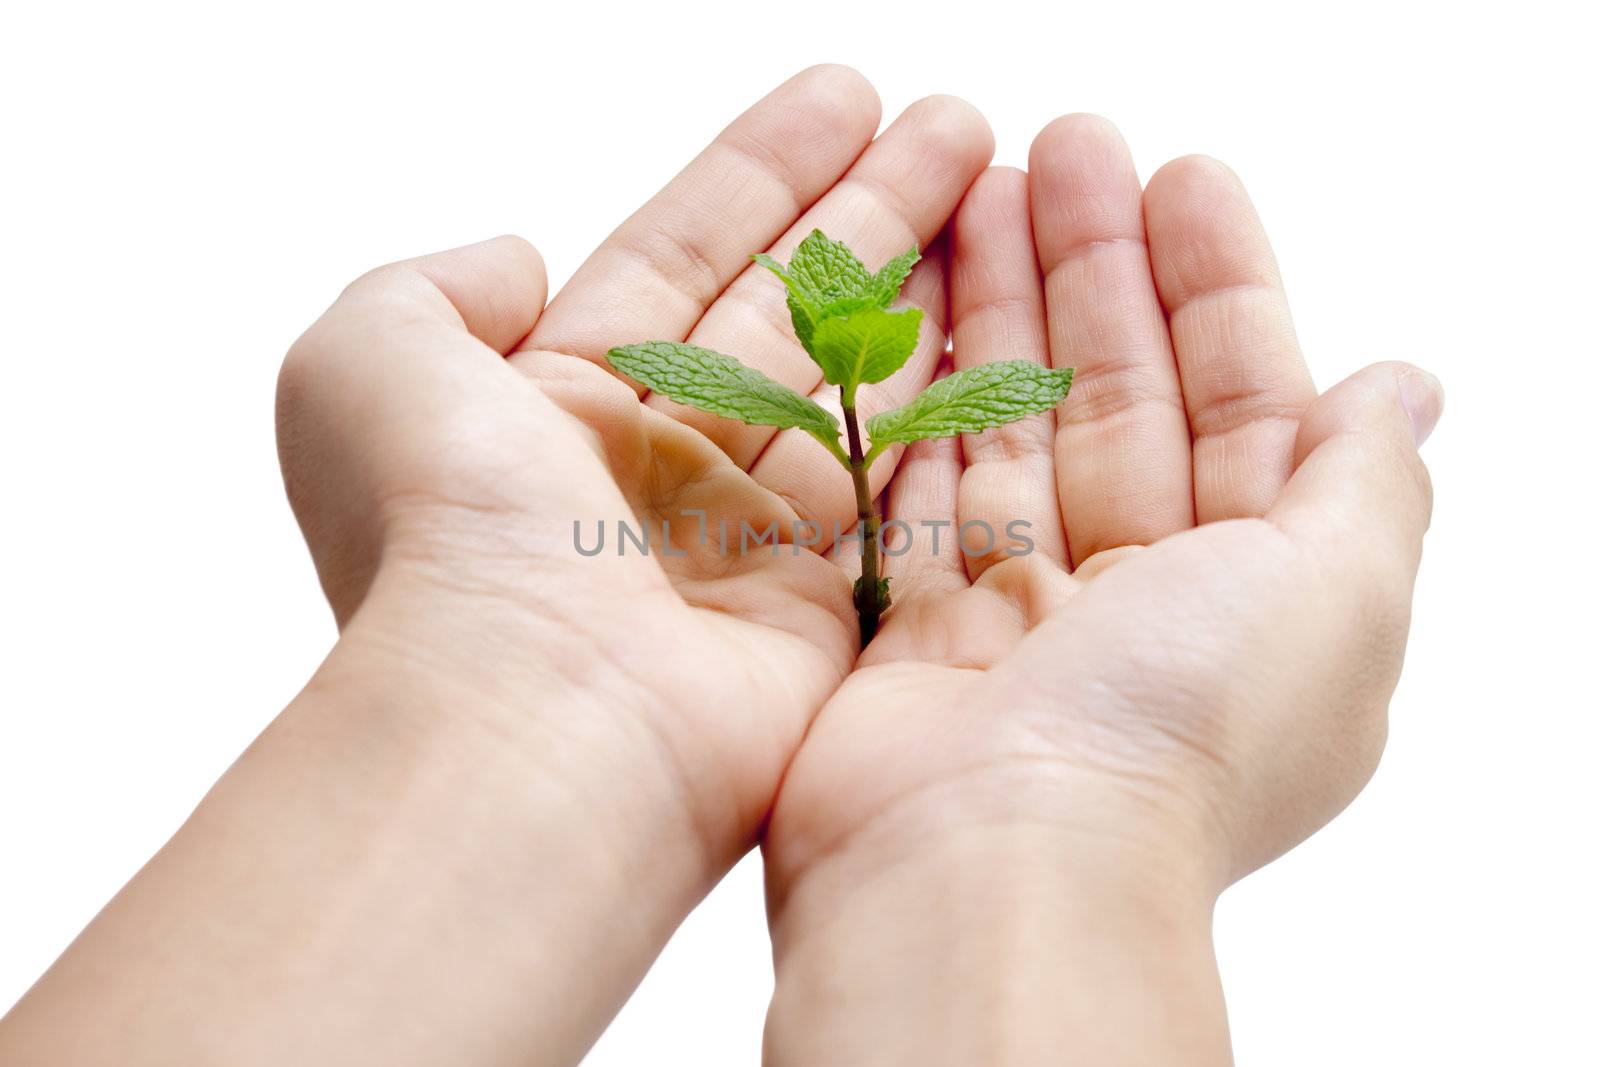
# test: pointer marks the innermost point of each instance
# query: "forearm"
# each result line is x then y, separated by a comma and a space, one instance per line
395, 872
997, 945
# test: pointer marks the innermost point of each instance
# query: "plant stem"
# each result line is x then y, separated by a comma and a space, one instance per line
869, 603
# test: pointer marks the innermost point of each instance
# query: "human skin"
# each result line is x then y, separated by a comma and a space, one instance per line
520, 767
1003, 837
469, 835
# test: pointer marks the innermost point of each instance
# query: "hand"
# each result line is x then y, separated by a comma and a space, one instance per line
442, 467
512, 744
466, 518
439, 484
521, 765
1037, 781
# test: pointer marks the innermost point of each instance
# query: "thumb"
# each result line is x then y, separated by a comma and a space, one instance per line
1360, 497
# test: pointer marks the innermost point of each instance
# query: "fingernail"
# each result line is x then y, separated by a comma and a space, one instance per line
1422, 395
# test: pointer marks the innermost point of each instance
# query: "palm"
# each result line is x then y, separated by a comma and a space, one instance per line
708, 632
978, 699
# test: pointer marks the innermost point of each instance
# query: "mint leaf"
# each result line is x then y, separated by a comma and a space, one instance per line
887, 282
866, 345
723, 386
805, 316
825, 280
827, 270
990, 394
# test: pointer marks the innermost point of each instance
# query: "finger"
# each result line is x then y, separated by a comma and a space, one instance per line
654, 277
1360, 497
407, 357
922, 557
402, 332
997, 313
1245, 382
898, 195
799, 469
407, 346
1034, 588
606, 410
496, 287
927, 569
1355, 510
1122, 449
1101, 562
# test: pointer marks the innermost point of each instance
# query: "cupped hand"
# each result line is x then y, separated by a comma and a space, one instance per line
1190, 670
449, 443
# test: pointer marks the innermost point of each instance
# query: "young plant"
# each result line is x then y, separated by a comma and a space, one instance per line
843, 319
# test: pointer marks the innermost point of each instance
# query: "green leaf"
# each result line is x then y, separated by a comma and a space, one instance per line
826, 270
826, 281
723, 386
826, 276
804, 315
887, 282
866, 345
990, 394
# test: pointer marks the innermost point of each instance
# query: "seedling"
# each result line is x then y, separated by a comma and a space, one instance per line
842, 318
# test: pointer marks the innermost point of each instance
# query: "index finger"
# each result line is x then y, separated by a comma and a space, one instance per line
656, 274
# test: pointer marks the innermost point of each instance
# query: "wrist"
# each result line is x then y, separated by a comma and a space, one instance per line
451, 676
992, 942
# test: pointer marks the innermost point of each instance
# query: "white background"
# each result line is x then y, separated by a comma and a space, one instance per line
187, 188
